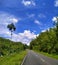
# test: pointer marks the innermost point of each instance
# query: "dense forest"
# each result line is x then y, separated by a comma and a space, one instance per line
46, 41
8, 47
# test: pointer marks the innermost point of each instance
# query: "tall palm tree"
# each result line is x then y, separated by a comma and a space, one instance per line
11, 27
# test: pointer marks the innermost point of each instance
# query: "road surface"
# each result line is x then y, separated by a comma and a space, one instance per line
33, 58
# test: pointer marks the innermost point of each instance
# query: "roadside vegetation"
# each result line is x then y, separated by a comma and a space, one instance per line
11, 53
8, 47
14, 59
47, 41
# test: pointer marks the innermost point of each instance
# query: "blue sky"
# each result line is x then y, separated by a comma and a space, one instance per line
31, 17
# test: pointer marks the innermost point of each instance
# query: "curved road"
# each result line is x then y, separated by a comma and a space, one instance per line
33, 58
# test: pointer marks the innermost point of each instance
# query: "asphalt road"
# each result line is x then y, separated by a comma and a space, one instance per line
33, 58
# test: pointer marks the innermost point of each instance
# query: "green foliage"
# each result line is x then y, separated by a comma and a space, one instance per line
14, 59
25, 47
46, 41
8, 47
11, 27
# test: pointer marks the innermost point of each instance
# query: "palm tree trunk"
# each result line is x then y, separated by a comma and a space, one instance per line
11, 34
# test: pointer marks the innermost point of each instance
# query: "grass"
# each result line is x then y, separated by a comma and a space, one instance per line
14, 59
48, 55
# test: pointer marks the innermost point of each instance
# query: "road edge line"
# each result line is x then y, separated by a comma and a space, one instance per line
23, 60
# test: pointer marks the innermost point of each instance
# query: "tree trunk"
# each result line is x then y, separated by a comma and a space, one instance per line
11, 34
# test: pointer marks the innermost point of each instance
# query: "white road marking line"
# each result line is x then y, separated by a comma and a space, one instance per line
45, 61
23, 60
42, 60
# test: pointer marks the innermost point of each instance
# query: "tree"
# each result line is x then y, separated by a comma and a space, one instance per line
11, 27
56, 22
46, 42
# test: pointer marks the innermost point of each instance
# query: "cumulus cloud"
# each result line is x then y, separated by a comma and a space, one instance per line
54, 19
37, 22
4, 32
28, 2
56, 3
24, 37
6, 18
14, 20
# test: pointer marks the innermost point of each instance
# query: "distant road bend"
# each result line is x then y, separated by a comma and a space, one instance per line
33, 58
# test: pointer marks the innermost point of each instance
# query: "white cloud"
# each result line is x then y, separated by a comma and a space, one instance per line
6, 18
43, 30
47, 29
56, 3
4, 32
41, 16
37, 22
54, 19
24, 37
30, 15
28, 3
14, 20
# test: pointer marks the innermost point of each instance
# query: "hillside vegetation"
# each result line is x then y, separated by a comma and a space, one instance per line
46, 41
11, 53
8, 47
